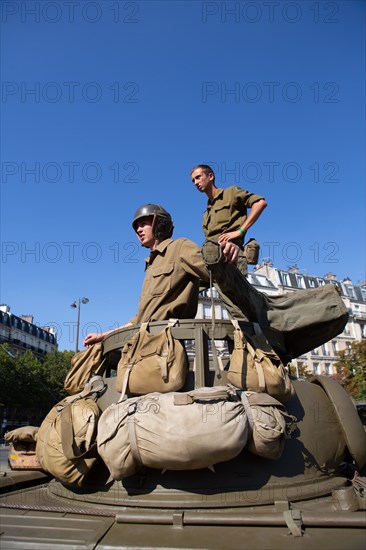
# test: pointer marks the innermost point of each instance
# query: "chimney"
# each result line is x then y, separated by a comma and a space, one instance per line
330, 276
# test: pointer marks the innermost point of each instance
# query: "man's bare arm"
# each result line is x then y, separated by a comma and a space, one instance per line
255, 211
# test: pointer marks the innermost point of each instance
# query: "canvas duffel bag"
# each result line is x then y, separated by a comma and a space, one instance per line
174, 431
152, 362
271, 425
258, 370
84, 365
66, 441
26, 434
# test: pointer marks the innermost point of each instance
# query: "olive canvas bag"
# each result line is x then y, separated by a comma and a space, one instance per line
152, 362
251, 251
174, 431
256, 369
84, 365
66, 440
271, 425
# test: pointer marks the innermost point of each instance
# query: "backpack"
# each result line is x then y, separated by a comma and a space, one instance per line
258, 370
152, 362
66, 440
271, 425
174, 431
84, 365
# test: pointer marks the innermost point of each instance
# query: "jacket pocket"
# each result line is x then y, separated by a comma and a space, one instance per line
222, 214
162, 279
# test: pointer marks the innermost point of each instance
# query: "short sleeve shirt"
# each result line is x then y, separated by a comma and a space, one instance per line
228, 211
171, 285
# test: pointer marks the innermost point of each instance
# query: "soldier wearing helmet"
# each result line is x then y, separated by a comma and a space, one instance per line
173, 271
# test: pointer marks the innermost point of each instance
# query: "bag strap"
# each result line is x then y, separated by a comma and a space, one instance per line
92, 389
217, 393
131, 425
67, 438
125, 382
217, 362
257, 356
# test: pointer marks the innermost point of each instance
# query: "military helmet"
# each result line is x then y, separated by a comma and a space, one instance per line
162, 221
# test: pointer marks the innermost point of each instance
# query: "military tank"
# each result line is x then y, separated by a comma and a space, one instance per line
313, 496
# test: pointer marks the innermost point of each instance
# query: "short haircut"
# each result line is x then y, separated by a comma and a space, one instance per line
206, 168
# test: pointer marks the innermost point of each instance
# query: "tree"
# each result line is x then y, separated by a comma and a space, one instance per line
301, 371
30, 388
351, 369
55, 368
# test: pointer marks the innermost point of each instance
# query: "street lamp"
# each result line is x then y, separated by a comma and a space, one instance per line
76, 304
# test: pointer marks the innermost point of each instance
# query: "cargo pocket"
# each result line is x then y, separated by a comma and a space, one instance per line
162, 278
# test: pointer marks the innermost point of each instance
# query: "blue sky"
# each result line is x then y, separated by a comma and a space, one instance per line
107, 105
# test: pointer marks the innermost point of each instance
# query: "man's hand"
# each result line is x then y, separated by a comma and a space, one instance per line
230, 252
95, 337
92, 338
227, 237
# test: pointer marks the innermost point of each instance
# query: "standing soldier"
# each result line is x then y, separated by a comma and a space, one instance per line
225, 219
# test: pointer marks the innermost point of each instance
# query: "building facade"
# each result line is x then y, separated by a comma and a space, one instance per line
273, 281
22, 334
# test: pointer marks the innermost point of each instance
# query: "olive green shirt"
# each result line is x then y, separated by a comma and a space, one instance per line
171, 285
227, 212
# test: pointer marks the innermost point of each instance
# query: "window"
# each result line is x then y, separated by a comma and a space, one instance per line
351, 292
316, 368
314, 352
321, 282
207, 314
324, 350
300, 281
334, 346
225, 314
328, 369
285, 279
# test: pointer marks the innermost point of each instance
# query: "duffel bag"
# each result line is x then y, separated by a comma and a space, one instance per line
66, 440
27, 434
271, 426
173, 431
152, 362
84, 365
258, 370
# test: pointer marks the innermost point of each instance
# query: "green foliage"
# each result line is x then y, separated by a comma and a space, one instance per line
29, 388
55, 367
300, 372
351, 369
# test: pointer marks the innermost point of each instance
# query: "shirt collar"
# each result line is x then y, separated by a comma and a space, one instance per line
160, 249
218, 195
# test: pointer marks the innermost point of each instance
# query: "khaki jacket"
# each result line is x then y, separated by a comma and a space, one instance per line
171, 285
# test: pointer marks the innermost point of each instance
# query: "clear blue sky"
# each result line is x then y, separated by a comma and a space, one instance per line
107, 105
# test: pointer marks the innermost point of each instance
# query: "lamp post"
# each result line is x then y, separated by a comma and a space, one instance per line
76, 304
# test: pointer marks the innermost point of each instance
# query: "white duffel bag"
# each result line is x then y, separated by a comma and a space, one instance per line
174, 431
